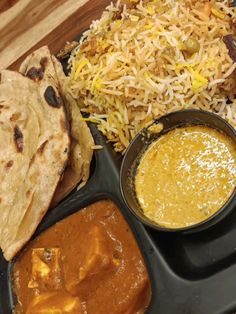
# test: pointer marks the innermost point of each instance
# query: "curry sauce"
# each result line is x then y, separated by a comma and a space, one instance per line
186, 176
88, 263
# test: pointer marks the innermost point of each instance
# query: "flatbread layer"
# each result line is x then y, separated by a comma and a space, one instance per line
81, 150
34, 152
78, 167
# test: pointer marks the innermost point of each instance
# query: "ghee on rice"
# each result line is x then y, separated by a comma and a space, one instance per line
131, 66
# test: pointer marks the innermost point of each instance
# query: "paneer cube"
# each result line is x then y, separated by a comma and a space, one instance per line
99, 258
46, 271
55, 303
100, 254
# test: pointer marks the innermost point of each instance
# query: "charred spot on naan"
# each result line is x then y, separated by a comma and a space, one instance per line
3, 103
9, 164
15, 116
44, 62
37, 74
18, 139
52, 98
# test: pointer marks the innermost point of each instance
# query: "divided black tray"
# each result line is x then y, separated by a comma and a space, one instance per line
190, 273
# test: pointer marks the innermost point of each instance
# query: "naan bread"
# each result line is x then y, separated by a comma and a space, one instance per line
81, 151
47, 147
34, 152
78, 167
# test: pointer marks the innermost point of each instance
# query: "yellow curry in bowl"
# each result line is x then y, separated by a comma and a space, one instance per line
186, 176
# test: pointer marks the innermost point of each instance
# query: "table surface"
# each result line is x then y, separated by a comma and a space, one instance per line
26, 25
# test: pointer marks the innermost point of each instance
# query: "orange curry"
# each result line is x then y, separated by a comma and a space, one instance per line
88, 263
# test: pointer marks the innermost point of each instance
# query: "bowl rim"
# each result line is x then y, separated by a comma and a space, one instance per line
212, 220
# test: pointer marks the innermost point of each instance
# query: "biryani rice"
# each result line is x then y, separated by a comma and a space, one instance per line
131, 66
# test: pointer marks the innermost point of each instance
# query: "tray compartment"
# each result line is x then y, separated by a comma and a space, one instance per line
185, 279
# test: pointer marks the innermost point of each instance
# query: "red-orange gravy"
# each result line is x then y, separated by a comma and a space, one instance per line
88, 263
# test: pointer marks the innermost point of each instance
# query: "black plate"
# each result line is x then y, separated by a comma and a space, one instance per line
190, 274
